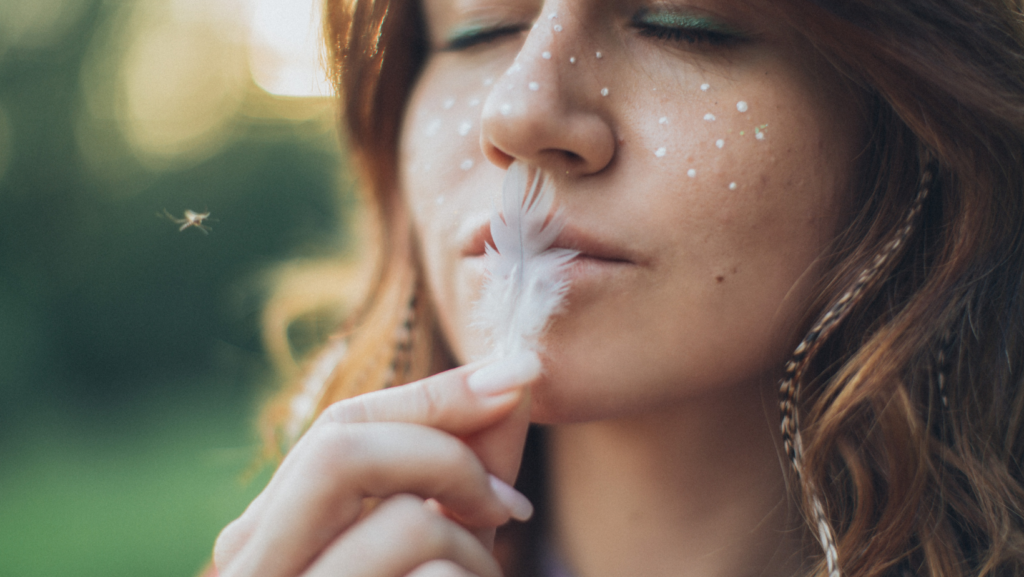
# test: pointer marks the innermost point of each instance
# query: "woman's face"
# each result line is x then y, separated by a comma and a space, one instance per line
702, 155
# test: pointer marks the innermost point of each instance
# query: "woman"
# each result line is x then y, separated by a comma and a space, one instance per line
743, 179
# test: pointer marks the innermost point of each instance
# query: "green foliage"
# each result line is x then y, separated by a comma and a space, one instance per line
130, 362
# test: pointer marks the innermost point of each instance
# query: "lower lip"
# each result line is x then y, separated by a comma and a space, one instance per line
581, 269
585, 267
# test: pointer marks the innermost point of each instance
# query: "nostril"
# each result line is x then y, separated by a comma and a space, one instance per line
573, 158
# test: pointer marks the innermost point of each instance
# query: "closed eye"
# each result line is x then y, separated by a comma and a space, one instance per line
476, 36
685, 28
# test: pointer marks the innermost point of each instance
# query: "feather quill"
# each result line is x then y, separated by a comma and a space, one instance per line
525, 282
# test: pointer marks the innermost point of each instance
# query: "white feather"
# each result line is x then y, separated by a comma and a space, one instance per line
525, 282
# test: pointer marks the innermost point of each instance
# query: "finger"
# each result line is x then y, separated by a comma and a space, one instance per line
397, 538
235, 535
500, 446
321, 493
461, 401
440, 568
458, 401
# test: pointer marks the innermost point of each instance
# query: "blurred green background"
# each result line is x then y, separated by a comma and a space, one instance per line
130, 358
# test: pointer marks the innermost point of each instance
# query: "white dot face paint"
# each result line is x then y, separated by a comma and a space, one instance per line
465, 127
719, 143
546, 55
433, 127
759, 136
557, 27
709, 117
604, 91
439, 201
572, 60
488, 81
704, 87
474, 102
466, 164
505, 109
598, 54
660, 152
691, 173
534, 86
663, 120
448, 103
553, 15
741, 106
732, 186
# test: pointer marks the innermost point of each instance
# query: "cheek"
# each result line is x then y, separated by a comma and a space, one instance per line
448, 185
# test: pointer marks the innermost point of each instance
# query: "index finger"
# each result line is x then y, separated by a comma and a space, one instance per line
460, 401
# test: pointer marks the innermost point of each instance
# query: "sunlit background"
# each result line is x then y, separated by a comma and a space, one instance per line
130, 354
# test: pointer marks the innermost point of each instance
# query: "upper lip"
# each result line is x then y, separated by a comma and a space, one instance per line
571, 237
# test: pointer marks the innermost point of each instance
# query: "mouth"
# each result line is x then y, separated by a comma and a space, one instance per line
590, 248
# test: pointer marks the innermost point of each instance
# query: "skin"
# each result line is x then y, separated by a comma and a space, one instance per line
658, 378
714, 279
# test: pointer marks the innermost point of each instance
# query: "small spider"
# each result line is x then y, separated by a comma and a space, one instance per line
192, 218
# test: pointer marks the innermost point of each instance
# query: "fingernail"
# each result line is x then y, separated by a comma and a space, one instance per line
505, 374
518, 505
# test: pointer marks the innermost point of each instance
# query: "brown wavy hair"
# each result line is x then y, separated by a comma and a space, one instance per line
914, 479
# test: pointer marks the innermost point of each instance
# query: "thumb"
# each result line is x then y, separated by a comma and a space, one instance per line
500, 446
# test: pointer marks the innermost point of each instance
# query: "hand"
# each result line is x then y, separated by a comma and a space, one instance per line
439, 453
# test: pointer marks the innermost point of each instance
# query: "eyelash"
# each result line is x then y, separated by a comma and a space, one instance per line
679, 34
695, 36
467, 41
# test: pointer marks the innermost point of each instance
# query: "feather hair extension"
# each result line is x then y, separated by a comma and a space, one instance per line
526, 281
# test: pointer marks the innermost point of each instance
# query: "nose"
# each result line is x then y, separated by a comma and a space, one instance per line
548, 110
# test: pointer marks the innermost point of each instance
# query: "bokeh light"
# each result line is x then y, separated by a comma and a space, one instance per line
131, 359
286, 51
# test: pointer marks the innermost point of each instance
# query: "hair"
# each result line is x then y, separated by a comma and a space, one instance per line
911, 409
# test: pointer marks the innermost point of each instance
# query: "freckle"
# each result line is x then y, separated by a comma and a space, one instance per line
546, 56
732, 186
598, 54
604, 91
466, 164
719, 278
433, 127
704, 87
720, 143
506, 109
534, 86
572, 60
557, 27
759, 136
448, 103
709, 117
465, 127
741, 106
691, 173
474, 102
660, 152
663, 120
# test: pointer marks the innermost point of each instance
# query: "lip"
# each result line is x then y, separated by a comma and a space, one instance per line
590, 248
